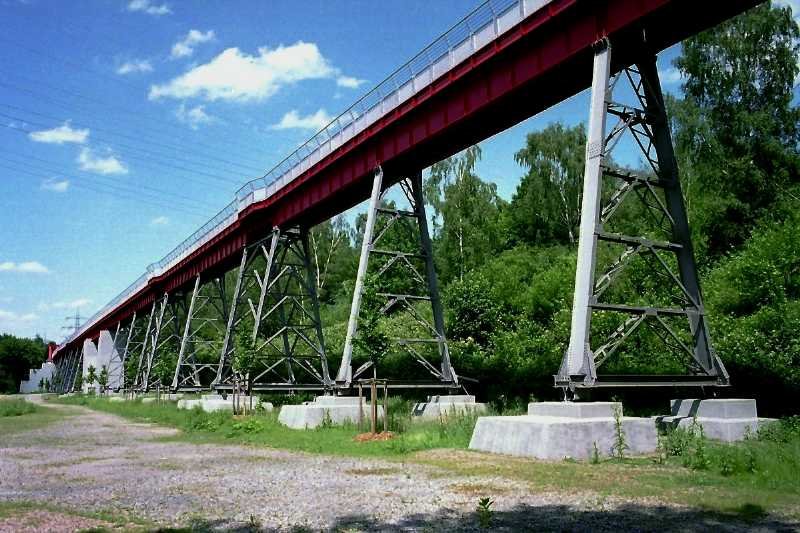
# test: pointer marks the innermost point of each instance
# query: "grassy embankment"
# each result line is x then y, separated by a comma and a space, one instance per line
17, 415
748, 479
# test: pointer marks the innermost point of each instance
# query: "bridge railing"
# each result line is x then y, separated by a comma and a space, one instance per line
483, 25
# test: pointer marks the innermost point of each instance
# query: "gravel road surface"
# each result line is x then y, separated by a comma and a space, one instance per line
99, 462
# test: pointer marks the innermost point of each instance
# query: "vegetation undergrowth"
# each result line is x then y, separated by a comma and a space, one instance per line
18, 415
16, 408
263, 428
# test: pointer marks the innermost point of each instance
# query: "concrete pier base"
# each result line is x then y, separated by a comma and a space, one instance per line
442, 406
728, 420
215, 402
336, 409
555, 430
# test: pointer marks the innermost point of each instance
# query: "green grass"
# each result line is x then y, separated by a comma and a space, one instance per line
263, 429
16, 407
17, 416
743, 480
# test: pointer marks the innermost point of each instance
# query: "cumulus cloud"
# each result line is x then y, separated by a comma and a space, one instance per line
74, 304
235, 75
60, 135
159, 221
33, 267
55, 185
194, 116
90, 162
149, 7
293, 120
135, 66
349, 82
185, 47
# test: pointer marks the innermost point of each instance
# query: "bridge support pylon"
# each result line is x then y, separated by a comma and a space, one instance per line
161, 340
663, 250
405, 279
273, 339
203, 334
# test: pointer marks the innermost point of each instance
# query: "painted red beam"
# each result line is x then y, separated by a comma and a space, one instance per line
540, 62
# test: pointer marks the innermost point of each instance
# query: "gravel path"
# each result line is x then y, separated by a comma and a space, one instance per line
99, 462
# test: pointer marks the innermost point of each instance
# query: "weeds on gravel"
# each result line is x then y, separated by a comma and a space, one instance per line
485, 511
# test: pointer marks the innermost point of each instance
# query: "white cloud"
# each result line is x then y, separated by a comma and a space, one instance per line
90, 162
74, 304
185, 47
147, 6
234, 75
60, 135
670, 76
11, 316
134, 66
55, 185
34, 267
194, 116
293, 120
159, 221
349, 82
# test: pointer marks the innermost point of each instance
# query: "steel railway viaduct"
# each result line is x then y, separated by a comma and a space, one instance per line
237, 302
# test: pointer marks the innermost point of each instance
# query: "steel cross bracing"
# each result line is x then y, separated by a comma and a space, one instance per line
404, 280
274, 340
668, 261
161, 341
203, 333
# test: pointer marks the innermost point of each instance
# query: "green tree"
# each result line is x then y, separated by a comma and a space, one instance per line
736, 129
102, 378
17, 356
546, 205
91, 376
469, 209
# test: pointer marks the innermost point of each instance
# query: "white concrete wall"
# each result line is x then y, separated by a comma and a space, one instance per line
108, 355
35, 375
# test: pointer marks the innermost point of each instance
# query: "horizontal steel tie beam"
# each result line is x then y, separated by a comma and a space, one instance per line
634, 241
636, 310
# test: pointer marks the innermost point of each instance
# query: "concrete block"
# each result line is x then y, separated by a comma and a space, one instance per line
338, 409
210, 403
574, 409
445, 405
565, 430
715, 408
116, 399
727, 420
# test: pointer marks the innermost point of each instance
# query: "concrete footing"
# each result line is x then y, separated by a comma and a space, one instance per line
442, 406
728, 420
555, 430
336, 409
215, 402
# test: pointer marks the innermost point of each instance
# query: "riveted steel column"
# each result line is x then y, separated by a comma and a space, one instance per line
577, 352
345, 369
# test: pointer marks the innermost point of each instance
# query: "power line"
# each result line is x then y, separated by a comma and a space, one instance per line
93, 177
141, 139
116, 192
135, 156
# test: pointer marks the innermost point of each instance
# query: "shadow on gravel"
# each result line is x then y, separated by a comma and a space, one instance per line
545, 518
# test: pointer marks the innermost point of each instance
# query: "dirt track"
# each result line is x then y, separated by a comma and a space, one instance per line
99, 462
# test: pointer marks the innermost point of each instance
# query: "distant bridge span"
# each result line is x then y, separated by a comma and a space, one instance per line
506, 62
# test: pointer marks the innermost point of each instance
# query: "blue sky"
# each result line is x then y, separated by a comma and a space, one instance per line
126, 124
